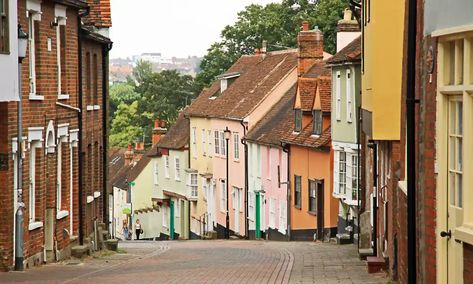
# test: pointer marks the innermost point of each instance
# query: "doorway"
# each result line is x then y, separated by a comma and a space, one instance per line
320, 209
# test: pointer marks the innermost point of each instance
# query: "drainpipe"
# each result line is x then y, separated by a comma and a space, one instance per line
358, 142
105, 52
245, 144
374, 204
79, 116
410, 139
286, 148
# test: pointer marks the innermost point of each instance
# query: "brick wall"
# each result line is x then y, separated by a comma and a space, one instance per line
6, 210
468, 263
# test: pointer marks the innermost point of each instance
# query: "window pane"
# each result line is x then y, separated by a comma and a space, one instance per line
459, 192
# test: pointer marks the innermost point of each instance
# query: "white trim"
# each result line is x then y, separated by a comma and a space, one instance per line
338, 96
63, 97
60, 11
50, 142
349, 95
33, 5
62, 214
343, 146
96, 107
90, 198
34, 225
35, 97
97, 194
90, 108
453, 30
35, 134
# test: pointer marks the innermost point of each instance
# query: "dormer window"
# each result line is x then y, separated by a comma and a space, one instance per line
317, 130
223, 85
225, 81
297, 120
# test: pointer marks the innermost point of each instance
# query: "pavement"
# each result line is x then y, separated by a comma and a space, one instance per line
212, 261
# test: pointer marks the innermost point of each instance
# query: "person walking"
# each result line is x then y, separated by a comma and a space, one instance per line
125, 230
138, 229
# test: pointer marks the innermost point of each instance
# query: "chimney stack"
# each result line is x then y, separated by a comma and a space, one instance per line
159, 130
347, 30
311, 47
129, 155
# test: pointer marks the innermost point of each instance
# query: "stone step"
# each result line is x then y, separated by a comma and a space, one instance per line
112, 244
375, 264
343, 239
80, 251
365, 252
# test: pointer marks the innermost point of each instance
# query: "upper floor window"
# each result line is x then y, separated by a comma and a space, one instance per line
88, 81
194, 142
217, 142
223, 148
297, 120
60, 21
204, 147
317, 122
177, 168
349, 95
95, 79
338, 96
4, 28
156, 172
166, 166
210, 143
34, 42
236, 144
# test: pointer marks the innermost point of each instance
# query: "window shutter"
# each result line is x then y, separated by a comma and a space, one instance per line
349, 176
336, 164
349, 96
337, 95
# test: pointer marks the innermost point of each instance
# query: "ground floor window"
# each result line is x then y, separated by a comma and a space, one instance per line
297, 191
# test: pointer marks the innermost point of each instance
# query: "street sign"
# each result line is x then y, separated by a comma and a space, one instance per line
132, 183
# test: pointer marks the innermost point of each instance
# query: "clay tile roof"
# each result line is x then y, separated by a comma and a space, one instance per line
350, 53
178, 135
259, 75
306, 90
325, 91
319, 69
277, 123
306, 139
100, 14
135, 171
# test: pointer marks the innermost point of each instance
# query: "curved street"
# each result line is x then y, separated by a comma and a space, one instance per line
215, 261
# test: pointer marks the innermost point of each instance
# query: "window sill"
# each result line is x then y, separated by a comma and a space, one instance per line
63, 97
297, 207
90, 108
97, 194
96, 107
313, 213
62, 214
402, 184
35, 225
35, 97
90, 199
177, 179
236, 160
464, 233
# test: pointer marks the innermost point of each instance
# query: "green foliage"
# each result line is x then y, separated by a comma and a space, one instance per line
146, 97
278, 24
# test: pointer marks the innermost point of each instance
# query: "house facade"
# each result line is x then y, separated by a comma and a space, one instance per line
383, 202
346, 100
443, 133
313, 210
267, 172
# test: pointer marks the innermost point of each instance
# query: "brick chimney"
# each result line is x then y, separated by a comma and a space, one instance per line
347, 30
311, 47
159, 130
129, 155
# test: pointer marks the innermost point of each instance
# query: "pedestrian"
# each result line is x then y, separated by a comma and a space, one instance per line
125, 230
138, 229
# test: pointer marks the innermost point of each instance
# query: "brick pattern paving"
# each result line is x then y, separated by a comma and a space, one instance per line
215, 261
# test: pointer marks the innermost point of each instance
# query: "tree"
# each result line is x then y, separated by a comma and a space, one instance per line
278, 24
122, 93
125, 128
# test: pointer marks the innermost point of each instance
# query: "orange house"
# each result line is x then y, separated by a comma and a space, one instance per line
313, 210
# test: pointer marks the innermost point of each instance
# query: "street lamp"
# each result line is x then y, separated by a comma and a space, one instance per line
19, 217
227, 134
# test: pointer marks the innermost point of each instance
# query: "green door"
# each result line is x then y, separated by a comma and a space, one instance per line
171, 222
257, 217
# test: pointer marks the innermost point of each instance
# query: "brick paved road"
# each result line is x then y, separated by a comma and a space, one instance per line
215, 261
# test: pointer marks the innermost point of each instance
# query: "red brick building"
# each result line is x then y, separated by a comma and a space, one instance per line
53, 118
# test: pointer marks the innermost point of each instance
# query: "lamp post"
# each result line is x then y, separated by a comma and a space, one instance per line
19, 217
227, 134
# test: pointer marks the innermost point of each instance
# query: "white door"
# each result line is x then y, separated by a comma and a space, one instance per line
210, 205
236, 207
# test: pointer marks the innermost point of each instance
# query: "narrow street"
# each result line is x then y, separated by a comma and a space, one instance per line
210, 262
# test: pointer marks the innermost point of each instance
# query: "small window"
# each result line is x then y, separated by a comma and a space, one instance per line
193, 185
349, 95
177, 169
204, 140
210, 142
297, 191
317, 122
4, 28
223, 148
194, 142
342, 173
95, 79
338, 96
223, 194
312, 196
297, 120
217, 142
236, 146
166, 166
88, 81
272, 212
34, 43
61, 57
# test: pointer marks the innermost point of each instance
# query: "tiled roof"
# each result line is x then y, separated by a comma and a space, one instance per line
140, 166
309, 87
100, 14
277, 123
306, 139
319, 69
350, 53
178, 135
259, 75
325, 91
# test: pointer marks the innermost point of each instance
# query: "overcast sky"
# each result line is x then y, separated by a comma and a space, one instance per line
172, 27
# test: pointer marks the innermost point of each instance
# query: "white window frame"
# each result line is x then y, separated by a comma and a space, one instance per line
61, 137
166, 166
342, 170
33, 14
338, 99
194, 142
204, 147
177, 169
156, 173
236, 146
60, 14
217, 142
193, 185
349, 96
336, 172
251, 206
223, 147
272, 213
34, 144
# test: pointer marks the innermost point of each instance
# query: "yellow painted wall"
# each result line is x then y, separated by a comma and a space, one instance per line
142, 191
383, 58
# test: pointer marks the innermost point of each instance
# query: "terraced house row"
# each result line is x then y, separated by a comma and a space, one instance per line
53, 125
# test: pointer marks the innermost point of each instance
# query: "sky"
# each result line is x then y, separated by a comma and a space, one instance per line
178, 28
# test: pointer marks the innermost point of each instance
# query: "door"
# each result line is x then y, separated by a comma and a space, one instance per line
184, 229
236, 202
210, 204
171, 220
320, 209
455, 189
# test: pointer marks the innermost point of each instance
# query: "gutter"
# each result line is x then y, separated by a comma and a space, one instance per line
243, 141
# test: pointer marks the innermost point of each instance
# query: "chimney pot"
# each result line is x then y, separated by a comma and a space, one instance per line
129, 147
347, 14
305, 26
163, 123
156, 123
257, 51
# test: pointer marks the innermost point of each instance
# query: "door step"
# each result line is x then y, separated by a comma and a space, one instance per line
375, 264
